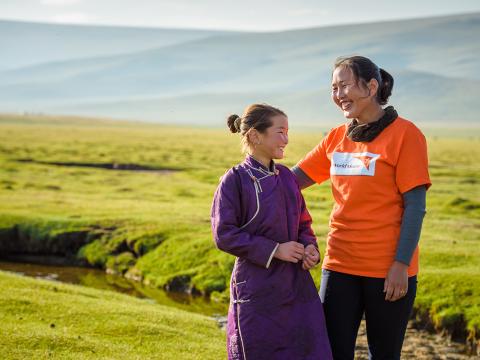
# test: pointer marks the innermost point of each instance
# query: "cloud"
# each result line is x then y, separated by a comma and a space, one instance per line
308, 11
73, 18
59, 2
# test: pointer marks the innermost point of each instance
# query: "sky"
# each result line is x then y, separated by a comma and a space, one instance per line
244, 15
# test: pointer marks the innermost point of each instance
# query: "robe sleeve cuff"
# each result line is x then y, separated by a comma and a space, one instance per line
271, 256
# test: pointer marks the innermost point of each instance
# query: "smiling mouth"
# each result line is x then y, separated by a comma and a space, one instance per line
345, 105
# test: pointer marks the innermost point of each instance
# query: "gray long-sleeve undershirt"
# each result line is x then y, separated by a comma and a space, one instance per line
414, 203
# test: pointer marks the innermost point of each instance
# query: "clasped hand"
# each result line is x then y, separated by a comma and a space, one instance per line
293, 251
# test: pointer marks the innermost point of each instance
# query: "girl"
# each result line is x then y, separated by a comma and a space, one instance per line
259, 215
378, 167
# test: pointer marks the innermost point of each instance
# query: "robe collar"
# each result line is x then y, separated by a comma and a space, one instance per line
251, 162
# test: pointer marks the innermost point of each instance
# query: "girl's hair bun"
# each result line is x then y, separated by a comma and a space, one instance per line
233, 122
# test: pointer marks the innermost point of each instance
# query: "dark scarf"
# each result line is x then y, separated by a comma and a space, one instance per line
368, 132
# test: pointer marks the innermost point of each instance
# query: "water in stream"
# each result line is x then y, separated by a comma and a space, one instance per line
98, 279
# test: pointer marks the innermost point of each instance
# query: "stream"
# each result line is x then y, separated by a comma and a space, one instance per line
99, 279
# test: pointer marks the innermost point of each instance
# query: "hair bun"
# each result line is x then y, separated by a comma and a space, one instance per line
233, 122
386, 87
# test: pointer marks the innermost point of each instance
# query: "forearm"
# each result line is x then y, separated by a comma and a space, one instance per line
412, 219
257, 249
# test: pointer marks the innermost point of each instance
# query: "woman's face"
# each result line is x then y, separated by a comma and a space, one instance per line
274, 140
352, 98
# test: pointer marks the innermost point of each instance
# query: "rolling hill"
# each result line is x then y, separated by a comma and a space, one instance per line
199, 77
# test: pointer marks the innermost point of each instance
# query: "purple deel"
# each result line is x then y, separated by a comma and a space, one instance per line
275, 312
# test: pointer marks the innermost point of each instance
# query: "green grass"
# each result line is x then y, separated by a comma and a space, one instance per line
156, 225
43, 319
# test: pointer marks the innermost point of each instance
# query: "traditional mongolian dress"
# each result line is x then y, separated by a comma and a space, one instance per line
275, 311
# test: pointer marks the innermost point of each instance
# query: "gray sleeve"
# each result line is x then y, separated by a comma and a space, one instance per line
303, 179
414, 202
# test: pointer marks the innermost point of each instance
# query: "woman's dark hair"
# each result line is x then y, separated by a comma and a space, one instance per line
255, 116
364, 70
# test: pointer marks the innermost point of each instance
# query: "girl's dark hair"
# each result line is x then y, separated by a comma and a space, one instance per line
255, 116
364, 70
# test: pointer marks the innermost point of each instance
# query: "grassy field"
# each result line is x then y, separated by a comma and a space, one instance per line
43, 320
155, 226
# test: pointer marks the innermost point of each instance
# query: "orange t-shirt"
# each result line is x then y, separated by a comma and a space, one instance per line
368, 179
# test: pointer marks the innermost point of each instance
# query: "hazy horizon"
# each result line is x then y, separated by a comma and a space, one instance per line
248, 15
146, 27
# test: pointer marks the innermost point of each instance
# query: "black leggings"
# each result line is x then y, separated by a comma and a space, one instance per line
347, 297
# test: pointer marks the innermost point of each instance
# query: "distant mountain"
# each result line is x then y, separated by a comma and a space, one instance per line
27, 43
199, 80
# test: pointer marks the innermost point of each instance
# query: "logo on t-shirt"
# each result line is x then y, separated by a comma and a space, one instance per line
353, 163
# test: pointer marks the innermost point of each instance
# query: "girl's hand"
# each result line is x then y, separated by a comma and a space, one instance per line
396, 283
311, 257
291, 251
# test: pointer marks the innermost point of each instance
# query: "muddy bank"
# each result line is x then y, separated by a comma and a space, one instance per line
17, 242
456, 331
419, 344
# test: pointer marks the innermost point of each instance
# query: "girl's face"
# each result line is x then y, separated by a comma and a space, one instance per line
271, 144
354, 100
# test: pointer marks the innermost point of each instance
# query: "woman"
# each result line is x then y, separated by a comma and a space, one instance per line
259, 215
378, 167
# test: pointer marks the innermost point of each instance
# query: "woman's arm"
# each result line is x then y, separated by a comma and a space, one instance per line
412, 179
316, 164
303, 179
414, 211
396, 282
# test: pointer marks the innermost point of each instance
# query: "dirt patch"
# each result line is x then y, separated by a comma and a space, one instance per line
419, 345
107, 166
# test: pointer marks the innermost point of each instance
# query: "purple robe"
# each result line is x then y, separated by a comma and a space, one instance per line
275, 312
